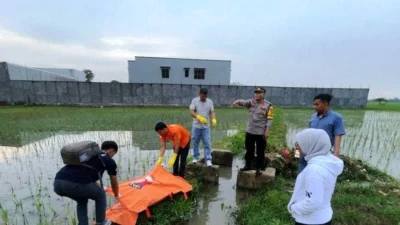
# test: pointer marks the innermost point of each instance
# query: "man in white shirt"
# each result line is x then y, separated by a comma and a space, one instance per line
202, 111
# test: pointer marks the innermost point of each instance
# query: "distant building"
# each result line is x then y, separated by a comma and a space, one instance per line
18, 72
179, 71
73, 73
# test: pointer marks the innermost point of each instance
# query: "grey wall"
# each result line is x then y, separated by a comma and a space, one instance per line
4, 83
148, 70
60, 92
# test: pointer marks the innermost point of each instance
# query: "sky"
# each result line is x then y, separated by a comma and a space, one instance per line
318, 43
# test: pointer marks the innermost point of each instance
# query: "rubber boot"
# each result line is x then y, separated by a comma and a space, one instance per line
247, 167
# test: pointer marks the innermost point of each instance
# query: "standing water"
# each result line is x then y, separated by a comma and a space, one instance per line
27, 174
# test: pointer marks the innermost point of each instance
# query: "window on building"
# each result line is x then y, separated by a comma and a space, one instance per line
199, 73
165, 72
187, 72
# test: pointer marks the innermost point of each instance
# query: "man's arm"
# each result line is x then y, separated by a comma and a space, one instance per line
192, 108
177, 142
338, 131
241, 102
176, 149
193, 113
163, 147
212, 115
114, 185
338, 140
112, 172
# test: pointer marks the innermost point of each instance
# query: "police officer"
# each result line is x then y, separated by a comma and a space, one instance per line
261, 114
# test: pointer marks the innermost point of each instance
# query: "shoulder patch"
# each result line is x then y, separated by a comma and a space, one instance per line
270, 114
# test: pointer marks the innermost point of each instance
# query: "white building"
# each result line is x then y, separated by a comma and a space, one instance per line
179, 71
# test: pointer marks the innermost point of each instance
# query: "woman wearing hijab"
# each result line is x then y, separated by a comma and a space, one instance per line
311, 200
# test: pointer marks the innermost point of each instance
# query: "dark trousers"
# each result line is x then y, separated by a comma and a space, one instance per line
81, 193
180, 162
250, 141
328, 223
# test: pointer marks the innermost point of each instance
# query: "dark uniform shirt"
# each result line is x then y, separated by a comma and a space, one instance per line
84, 175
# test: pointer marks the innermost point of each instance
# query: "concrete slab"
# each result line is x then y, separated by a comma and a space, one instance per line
249, 179
210, 173
222, 157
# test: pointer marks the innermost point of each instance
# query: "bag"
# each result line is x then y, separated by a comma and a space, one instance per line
79, 152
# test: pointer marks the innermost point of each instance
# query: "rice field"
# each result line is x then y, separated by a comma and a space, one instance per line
32, 137
371, 136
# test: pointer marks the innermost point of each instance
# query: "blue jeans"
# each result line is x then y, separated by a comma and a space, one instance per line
302, 164
81, 193
204, 135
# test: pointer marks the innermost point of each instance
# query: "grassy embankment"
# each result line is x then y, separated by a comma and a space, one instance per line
363, 195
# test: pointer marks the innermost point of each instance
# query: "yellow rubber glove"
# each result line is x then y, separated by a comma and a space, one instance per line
201, 119
159, 161
172, 160
214, 123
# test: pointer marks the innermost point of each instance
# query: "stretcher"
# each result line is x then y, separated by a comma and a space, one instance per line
138, 194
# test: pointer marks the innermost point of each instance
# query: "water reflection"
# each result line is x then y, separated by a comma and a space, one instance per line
220, 200
27, 174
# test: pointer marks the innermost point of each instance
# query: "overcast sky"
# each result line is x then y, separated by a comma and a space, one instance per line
279, 43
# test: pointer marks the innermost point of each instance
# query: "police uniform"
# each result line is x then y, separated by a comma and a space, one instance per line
260, 116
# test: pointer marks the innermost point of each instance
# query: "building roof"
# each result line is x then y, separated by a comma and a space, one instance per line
178, 58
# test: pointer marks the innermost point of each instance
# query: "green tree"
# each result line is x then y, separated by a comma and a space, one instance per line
89, 75
381, 101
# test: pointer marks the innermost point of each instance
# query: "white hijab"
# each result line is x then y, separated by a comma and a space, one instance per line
313, 142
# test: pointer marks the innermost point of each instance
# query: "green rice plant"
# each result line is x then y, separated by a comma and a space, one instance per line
74, 220
4, 215
369, 135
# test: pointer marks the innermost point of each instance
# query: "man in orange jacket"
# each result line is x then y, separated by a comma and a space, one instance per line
180, 138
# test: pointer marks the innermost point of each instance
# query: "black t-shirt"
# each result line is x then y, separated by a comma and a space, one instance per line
84, 175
